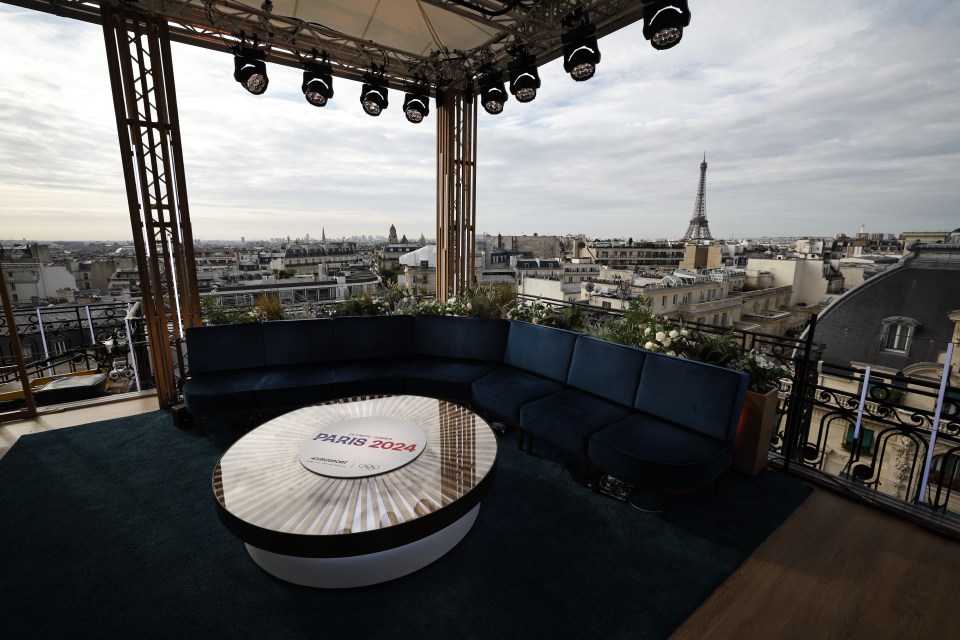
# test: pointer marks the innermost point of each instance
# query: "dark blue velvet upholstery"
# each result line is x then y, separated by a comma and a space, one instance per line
371, 377
646, 418
568, 418
226, 347
650, 452
542, 350
695, 395
504, 390
608, 370
445, 378
373, 337
461, 338
222, 392
294, 342
296, 385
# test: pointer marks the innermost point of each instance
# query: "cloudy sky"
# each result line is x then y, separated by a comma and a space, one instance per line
817, 117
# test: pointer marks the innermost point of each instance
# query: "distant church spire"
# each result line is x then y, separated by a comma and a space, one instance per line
699, 229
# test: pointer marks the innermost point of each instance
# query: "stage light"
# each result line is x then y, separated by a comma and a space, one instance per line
663, 22
250, 70
317, 83
524, 78
493, 95
373, 96
581, 54
416, 104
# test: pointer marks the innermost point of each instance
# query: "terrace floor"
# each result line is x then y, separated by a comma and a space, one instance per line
835, 569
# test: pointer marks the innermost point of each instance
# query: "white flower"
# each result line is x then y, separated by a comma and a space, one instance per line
649, 346
671, 353
674, 333
660, 336
469, 306
647, 331
666, 342
683, 332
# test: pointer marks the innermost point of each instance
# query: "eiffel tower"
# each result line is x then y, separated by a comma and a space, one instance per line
699, 229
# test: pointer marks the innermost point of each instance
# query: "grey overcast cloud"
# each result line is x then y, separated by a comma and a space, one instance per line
817, 117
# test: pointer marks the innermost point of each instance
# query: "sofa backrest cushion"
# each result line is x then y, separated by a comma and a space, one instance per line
369, 337
698, 396
542, 350
293, 342
225, 347
465, 338
611, 371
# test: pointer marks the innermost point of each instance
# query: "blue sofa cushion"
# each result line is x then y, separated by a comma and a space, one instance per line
542, 350
295, 386
222, 392
225, 347
505, 389
568, 417
462, 338
445, 377
608, 370
374, 337
698, 396
371, 377
295, 342
650, 452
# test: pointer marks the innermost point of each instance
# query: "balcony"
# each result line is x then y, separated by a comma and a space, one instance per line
816, 576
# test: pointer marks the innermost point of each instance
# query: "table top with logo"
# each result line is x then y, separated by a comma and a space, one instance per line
354, 476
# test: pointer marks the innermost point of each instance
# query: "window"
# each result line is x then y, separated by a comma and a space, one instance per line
897, 334
664, 302
605, 304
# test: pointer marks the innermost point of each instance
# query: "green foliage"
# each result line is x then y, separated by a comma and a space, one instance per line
215, 313
640, 327
712, 348
764, 372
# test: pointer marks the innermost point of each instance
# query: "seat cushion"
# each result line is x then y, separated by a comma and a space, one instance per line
295, 342
371, 377
695, 395
449, 379
295, 386
650, 452
225, 347
461, 338
222, 392
372, 337
568, 417
611, 371
505, 389
544, 351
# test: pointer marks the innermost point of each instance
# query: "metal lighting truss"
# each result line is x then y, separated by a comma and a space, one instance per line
218, 25
145, 105
456, 193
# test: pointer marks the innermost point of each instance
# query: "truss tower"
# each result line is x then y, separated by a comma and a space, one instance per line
699, 229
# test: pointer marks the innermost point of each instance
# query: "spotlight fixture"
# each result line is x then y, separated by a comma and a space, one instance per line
317, 84
416, 103
416, 107
580, 52
250, 70
493, 95
373, 96
663, 22
524, 78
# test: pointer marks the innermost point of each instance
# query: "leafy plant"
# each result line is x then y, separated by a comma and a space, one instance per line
765, 373
269, 307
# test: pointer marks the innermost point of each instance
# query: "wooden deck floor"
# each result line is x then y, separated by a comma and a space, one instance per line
838, 569
835, 569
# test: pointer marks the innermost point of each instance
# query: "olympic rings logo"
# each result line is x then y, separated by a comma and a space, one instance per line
368, 467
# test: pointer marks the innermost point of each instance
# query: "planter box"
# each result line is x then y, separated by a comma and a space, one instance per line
757, 421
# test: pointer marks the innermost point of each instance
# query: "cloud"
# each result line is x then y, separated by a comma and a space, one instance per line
815, 117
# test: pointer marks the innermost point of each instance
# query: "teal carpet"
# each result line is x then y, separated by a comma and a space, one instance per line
109, 530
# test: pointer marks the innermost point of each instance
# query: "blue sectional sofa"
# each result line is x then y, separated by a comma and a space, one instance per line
648, 419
